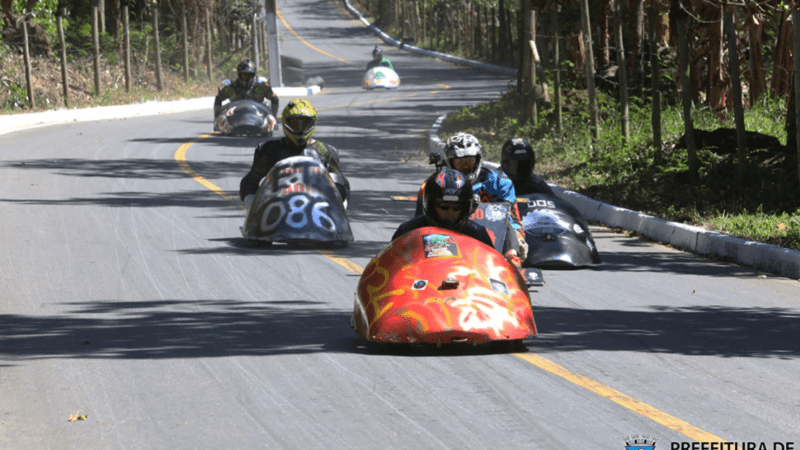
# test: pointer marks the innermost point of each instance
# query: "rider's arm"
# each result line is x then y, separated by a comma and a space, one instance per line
421, 192
541, 185
477, 231
330, 158
265, 93
218, 103
274, 103
222, 95
413, 224
260, 168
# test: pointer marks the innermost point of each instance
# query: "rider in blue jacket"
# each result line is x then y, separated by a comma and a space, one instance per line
463, 152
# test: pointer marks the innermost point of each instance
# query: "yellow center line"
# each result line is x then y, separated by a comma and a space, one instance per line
309, 45
344, 262
621, 399
180, 157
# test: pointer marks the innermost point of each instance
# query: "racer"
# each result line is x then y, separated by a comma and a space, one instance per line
379, 60
447, 203
448, 200
246, 86
517, 161
463, 152
299, 120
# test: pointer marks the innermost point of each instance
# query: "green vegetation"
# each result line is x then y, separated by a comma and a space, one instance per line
764, 207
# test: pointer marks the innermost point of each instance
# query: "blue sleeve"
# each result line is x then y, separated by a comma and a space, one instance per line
505, 189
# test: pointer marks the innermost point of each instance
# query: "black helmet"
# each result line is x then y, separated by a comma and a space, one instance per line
517, 159
377, 54
246, 71
448, 185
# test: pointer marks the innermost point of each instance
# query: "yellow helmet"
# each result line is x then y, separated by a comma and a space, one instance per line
299, 121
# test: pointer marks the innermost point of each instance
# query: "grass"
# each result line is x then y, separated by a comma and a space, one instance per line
634, 175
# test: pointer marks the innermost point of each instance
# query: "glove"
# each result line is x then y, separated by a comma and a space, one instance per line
523, 249
248, 200
512, 257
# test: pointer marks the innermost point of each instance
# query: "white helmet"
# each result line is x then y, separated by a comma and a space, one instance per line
462, 145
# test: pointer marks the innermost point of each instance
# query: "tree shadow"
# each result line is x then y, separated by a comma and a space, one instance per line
166, 329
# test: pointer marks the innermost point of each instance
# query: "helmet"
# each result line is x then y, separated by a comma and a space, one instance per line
246, 71
377, 54
462, 145
299, 121
448, 185
517, 159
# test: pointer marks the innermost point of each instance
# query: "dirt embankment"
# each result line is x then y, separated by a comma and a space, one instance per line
48, 87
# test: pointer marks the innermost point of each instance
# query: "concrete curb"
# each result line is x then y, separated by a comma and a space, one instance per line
443, 56
15, 122
770, 258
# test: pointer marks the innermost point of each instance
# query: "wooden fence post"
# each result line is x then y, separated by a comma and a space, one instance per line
27, 57
208, 43
127, 49
185, 49
96, 47
157, 43
556, 69
62, 12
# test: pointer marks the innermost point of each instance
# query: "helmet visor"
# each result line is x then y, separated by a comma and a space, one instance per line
246, 76
447, 206
299, 124
517, 169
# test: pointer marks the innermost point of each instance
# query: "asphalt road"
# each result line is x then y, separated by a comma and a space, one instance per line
128, 296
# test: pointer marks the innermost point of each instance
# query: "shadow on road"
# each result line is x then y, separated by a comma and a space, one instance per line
221, 328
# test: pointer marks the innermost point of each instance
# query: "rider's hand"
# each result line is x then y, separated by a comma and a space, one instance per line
523, 249
512, 257
248, 200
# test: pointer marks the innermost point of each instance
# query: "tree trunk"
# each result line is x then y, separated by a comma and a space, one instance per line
687, 96
736, 92
622, 73
782, 67
655, 80
589, 61
603, 57
755, 32
716, 83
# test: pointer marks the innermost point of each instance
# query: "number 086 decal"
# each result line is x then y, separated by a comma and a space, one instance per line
294, 212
